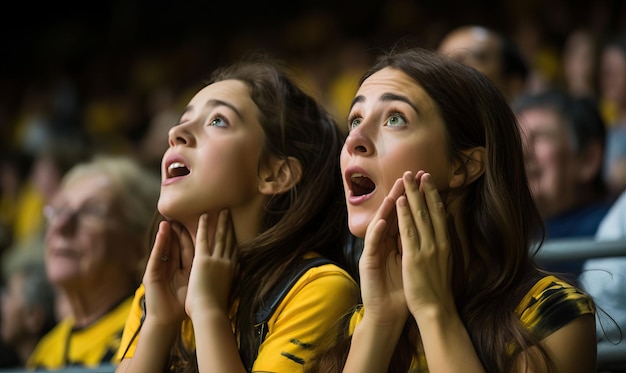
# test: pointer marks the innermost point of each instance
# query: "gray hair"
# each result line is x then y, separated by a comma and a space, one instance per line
136, 188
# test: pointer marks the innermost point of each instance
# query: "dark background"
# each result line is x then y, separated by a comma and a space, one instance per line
104, 48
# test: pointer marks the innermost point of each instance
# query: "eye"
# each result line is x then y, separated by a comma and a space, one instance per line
218, 122
354, 122
395, 120
93, 210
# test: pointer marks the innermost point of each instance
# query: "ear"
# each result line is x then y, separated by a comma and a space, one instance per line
471, 169
590, 162
279, 175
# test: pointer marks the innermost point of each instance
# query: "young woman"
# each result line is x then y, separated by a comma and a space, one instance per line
435, 183
250, 187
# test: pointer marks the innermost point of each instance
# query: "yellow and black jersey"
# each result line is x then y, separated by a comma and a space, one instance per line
548, 306
313, 305
97, 344
551, 304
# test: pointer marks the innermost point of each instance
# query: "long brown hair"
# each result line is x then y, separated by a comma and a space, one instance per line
310, 217
502, 221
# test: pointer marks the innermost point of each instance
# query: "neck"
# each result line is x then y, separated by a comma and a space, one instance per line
90, 301
247, 222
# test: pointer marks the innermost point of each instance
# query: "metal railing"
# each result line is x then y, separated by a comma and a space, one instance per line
611, 356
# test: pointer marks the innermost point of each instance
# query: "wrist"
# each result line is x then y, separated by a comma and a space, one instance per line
435, 317
385, 328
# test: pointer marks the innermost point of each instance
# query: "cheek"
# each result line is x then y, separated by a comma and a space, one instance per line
230, 184
547, 153
89, 251
11, 305
236, 168
423, 156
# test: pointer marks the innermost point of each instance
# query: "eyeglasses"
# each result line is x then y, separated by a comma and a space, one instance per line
89, 216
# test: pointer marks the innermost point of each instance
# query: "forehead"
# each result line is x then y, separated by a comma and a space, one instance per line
232, 91
541, 118
615, 55
88, 186
390, 80
469, 40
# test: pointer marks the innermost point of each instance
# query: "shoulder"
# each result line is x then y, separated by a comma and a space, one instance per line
326, 271
49, 351
306, 316
613, 225
324, 285
325, 288
59, 331
326, 280
552, 303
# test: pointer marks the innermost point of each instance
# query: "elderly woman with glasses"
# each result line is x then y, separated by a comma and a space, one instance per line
95, 250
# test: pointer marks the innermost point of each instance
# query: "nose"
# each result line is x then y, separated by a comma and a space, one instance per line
180, 135
359, 143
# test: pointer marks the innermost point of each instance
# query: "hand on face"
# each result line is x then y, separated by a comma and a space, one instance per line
426, 255
380, 265
167, 273
214, 266
406, 262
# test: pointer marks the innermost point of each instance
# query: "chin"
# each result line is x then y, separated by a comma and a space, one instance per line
358, 224
166, 208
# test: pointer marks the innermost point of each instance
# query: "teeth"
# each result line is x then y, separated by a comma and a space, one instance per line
356, 176
175, 165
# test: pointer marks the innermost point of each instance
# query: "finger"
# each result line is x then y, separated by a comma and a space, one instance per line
436, 208
392, 222
202, 239
373, 237
386, 208
384, 212
406, 225
221, 233
419, 210
184, 246
419, 175
174, 246
161, 246
396, 190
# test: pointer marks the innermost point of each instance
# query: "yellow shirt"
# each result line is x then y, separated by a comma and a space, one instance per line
315, 303
548, 306
94, 345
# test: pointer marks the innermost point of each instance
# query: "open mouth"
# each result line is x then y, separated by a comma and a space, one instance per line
177, 169
361, 185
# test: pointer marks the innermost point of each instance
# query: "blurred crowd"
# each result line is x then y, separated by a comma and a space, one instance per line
92, 93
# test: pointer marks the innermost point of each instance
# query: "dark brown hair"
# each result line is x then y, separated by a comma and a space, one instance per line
502, 221
310, 217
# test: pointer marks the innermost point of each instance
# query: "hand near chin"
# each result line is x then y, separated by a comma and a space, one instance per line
167, 273
214, 266
426, 260
380, 265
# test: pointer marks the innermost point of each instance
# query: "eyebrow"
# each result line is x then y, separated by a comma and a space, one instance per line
215, 103
385, 98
